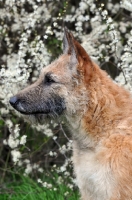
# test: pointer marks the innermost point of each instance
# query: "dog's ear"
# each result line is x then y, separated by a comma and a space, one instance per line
68, 46
66, 42
73, 48
84, 60
79, 56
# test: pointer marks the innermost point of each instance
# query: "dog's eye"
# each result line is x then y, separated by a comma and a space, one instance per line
49, 79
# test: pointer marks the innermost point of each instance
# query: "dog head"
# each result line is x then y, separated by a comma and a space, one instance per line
61, 86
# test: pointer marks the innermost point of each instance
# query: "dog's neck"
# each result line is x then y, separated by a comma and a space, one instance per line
106, 101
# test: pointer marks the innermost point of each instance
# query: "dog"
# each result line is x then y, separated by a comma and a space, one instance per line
99, 113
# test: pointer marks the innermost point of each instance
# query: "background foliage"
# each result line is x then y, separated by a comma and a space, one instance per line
31, 37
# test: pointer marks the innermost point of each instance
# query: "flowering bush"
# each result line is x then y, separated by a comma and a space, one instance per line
31, 33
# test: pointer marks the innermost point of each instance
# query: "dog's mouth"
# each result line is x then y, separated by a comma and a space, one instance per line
40, 117
30, 111
43, 112
37, 117
51, 109
34, 113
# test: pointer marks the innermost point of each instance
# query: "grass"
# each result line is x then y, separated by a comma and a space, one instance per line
28, 189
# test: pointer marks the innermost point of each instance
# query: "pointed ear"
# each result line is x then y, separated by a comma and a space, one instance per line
84, 60
66, 41
68, 45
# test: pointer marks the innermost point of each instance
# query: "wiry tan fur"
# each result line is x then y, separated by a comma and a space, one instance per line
103, 159
99, 113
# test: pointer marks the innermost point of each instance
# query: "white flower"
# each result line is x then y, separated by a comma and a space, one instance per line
66, 193
55, 137
23, 139
40, 170
12, 142
16, 155
109, 20
55, 24
51, 153
48, 132
80, 18
44, 184
60, 180
70, 186
127, 4
86, 18
28, 169
26, 161
48, 31
9, 123
105, 13
83, 6
35, 166
5, 142
39, 180
45, 36
49, 185
79, 23
19, 163
4, 111
62, 168
16, 131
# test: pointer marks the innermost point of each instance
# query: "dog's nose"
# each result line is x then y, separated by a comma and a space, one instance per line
13, 101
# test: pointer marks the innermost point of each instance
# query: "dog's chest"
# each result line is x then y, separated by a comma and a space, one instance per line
93, 179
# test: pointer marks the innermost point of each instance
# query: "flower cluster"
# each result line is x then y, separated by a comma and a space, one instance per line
14, 141
125, 64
